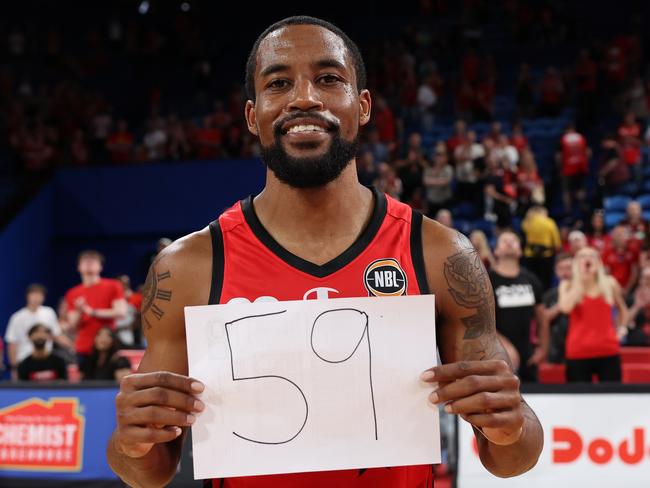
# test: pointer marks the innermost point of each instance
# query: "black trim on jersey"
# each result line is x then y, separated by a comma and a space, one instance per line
217, 263
342, 260
417, 254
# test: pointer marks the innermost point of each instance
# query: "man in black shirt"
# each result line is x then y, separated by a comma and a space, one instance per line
558, 322
42, 365
518, 296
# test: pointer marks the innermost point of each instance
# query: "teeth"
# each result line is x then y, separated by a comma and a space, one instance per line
305, 128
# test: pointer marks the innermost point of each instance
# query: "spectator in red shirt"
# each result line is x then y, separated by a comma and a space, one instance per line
574, 157
598, 237
208, 140
621, 261
613, 172
530, 187
551, 97
459, 137
95, 303
586, 75
635, 224
517, 138
629, 135
79, 153
385, 122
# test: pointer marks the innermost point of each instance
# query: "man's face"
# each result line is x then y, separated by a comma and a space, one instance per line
40, 337
35, 299
508, 246
563, 269
90, 265
308, 110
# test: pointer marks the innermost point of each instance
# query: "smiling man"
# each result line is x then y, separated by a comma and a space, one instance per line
315, 232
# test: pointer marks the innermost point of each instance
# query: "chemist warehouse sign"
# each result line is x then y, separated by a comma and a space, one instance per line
50, 433
42, 435
599, 440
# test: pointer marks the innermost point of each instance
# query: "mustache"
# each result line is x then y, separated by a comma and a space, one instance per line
330, 124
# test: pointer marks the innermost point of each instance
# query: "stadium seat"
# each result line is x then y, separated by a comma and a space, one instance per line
617, 203
636, 373
133, 355
613, 218
644, 200
552, 374
640, 355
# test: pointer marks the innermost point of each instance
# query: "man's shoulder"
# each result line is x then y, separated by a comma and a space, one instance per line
440, 240
18, 314
189, 249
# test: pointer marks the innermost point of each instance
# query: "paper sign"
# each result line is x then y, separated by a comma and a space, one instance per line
313, 385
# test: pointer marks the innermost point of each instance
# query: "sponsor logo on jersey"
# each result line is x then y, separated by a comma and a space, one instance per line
385, 278
37, 435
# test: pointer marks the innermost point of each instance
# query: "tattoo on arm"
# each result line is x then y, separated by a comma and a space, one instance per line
470, 287
154, 295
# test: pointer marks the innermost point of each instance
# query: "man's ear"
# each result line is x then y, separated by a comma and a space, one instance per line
365, 104
251, 119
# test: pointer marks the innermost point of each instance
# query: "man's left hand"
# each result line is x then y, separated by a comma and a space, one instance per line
484, 393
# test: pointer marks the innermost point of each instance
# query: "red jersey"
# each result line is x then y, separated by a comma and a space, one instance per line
386, 260
574, 154
591, 331
620, 263
135, 300
100, 295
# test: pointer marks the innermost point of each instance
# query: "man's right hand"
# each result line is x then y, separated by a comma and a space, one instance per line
152, 408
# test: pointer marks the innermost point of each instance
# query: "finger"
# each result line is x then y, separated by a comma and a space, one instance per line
163, 379
495, 419
156, 415
473, 384
460, 369
484, 402
166, 398
134, 434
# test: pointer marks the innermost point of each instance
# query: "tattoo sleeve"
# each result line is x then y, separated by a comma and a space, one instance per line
155, 295
469, 286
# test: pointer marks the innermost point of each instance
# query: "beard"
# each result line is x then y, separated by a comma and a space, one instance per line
309, 172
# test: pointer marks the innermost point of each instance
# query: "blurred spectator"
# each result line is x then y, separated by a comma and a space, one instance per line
126, 327
410, 172
41, 364
458, 138
629, 135
577, 241
598, 238
558, 322
427, 99
79, 153
505, 153
636, 225
493, 136
530, 187
155, 140
379, 150
551, 94
101, 125
621, 260
613, 171
518, 295
19, 345
438, 177
469, 158
498, 203
589, 298
104, 362
480, 243
384, 120
178, 146
443, 216
94, 303
586, 74
366, 170
640, 312
120, 143
574, 157
634, 99
518, 139
524, 92
542, 243
388, 182
208, 140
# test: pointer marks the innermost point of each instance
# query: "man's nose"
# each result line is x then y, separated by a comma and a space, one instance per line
305, 97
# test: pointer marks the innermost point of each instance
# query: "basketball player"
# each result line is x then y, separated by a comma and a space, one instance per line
313, 232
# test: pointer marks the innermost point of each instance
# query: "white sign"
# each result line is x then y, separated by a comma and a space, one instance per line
595, 440
313, 385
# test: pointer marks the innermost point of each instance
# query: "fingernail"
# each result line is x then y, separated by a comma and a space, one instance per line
191, 419
448, 408
197, 387
198, 405
427, 375
434, 398
178, 431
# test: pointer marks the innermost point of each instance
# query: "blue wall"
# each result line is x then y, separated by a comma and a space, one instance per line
121, 212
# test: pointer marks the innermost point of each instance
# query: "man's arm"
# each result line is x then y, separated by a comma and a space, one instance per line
12, 352
543, 336
118, 310
158, 403
476, 381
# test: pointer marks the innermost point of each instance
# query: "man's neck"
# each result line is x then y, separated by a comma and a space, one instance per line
303, 220
508, 267
90, 280
42, 354
32, 308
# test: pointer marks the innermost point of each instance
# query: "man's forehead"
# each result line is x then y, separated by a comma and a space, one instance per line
301, 42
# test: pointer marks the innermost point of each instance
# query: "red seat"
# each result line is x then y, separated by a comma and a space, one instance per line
552, 374
636, 373
639, 355
134, 356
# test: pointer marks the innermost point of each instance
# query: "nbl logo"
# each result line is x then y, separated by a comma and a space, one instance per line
385, 278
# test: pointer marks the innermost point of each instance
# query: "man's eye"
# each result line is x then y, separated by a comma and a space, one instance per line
329, 79
278, 84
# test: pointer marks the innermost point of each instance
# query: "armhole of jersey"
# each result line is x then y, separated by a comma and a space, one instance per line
417, 254
217, 263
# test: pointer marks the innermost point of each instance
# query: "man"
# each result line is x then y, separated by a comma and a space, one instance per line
621, 259
41, 364
313, 227
518, 295
17, 337
577, 240
128, 328
95, 303
636, 225
573, 156
542, 242
558, 323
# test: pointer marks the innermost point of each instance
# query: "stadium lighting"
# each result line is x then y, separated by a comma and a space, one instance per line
143, 8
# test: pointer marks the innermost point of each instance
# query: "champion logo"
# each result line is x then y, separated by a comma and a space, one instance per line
385, 278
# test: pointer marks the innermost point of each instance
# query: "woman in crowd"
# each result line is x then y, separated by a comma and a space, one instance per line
104, 362
589, 299
438, 178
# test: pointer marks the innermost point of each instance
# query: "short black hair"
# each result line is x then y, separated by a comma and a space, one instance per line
36, 288
36, 327
353, 50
